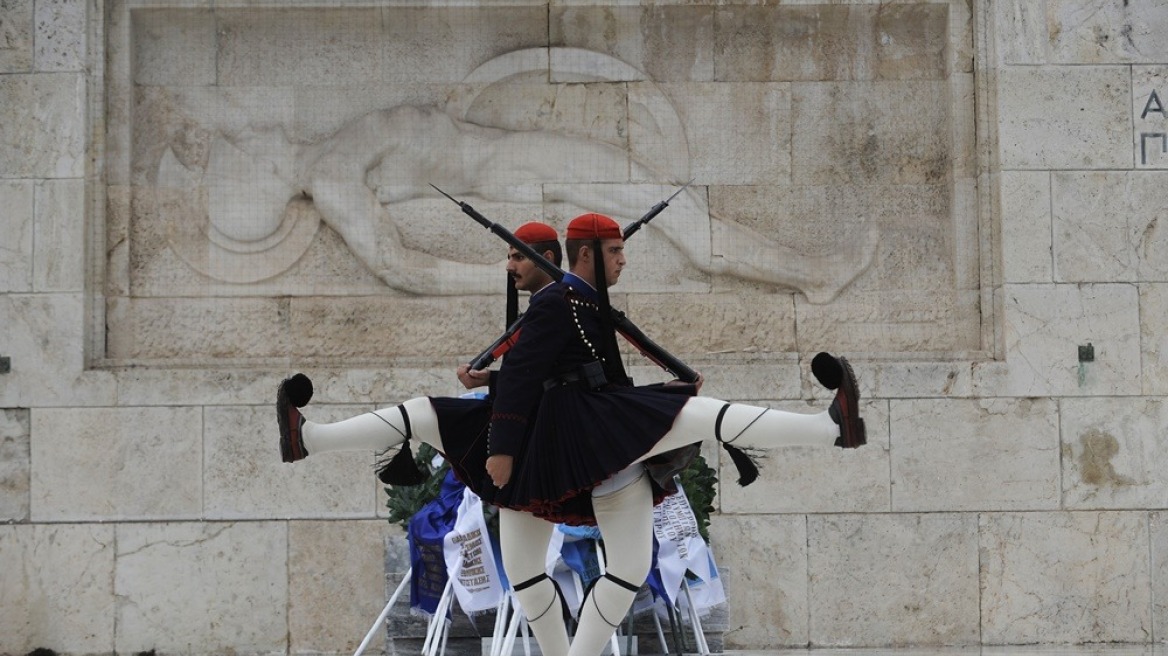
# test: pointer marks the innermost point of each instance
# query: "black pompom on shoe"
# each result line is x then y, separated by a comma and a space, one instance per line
828, 370
299, 390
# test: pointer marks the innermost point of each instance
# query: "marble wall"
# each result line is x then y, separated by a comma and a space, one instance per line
963, 197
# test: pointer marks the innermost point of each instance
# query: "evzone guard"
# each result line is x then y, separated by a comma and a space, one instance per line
563, 437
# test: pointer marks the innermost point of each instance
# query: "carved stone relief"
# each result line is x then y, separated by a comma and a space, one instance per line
284, 158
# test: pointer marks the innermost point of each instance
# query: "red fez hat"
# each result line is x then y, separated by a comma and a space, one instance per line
594, 226
535, 232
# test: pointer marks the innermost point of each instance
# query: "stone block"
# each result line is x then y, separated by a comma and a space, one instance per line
716, 323
769, 603
596, 111
1105, 226
45, 341
896, 132
876, 579
54, 579
59, 236
60, 35
1061, 577
116, 464
1091, 32
1067, 117
902, 321
808, 479
210, 587
1153, 340
16, 258
1026, 227
14, 464
756, 151
1159, 528
667, 43
336, 584
970, 455
831, 42
245, 478
44, 127
16, 36
186, 329
1021, 30
174, 47
1112, 453
287, 47
1044, 326
907, 380
409, 34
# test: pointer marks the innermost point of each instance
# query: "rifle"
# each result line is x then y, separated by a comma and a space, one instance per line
622, 323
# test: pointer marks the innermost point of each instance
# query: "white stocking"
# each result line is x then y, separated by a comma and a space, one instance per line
625, 518
378, 430
745, 426
524, 539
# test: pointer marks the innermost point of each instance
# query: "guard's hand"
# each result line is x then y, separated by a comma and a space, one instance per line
472, 378
499, 469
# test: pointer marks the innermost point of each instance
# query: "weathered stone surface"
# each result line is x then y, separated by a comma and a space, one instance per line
245, 478
44, 337
722, 324
806, 479
1159, 528
211, 587
60, 35
174, 47
757, 151
138, 463
1150, 116
53, 578
1026, 227
1113, 455
667, 43
823, 42
336, 583
876, 579
43, 131
16, 36
1044, 326
903, 321
1105, 226
1021, 29
14, 464
1065, 578
58, 254
968, 455
907, 380
1153, 340
299, 46
769, 603
409, 34
16, 257
1093, 32
1070, 117
864, 132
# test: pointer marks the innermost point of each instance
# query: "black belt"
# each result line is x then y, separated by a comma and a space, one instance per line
590, 375
570, 378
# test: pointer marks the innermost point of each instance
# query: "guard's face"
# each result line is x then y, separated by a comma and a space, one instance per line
524, 273
614, 259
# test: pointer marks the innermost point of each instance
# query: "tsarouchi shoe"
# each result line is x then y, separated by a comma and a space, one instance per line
294, 393
836, 373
